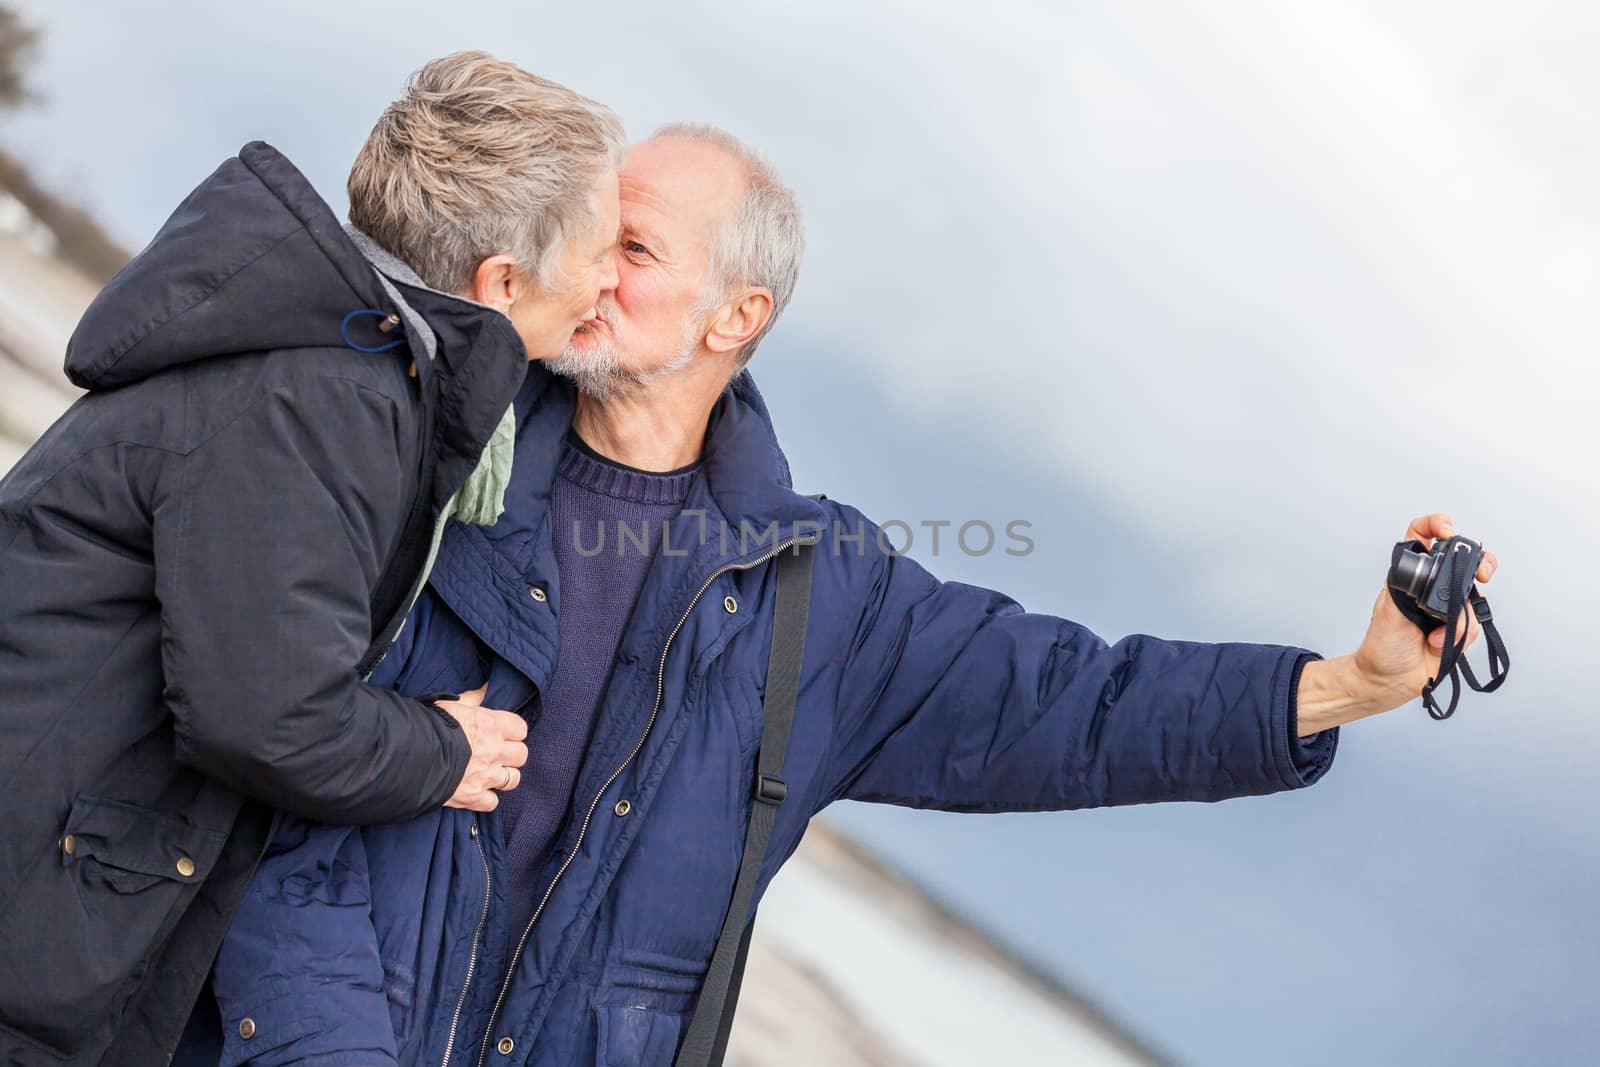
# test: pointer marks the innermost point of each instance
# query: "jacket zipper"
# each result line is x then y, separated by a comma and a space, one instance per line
477, 935
472, 960
655, 710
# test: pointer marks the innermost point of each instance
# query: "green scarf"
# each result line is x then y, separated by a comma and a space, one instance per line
481, 500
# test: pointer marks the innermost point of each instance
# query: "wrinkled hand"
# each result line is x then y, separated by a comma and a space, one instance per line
498, 751
1395, 659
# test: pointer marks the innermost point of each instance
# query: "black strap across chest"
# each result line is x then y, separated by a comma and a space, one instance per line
707, 1040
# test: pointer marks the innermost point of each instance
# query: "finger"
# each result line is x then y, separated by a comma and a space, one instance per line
475, 698
475, 800
1490, 564
1428, 528
488, 768
506, 724
514, 781
510, 754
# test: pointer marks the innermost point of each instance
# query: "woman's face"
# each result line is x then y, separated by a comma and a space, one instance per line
546, 316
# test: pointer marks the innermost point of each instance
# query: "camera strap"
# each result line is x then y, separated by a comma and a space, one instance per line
1453, 659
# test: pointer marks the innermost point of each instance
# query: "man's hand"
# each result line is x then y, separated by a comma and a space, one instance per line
498, 751
1395, 659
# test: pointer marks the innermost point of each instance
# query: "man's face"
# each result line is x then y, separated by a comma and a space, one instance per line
675, 194
545, 316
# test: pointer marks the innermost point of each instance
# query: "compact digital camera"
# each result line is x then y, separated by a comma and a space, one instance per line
1424, 577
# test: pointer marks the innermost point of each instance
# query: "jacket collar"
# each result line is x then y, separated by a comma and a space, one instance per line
747, 474
742, 506
745, 481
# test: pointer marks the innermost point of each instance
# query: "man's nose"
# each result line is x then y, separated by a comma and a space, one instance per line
609, 274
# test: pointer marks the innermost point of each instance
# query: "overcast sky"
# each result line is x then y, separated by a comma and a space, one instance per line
1218, 297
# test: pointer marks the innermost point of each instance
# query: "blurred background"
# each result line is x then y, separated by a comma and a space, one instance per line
1217, 298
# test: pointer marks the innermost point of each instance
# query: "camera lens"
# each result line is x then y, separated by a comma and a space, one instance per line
1411, 573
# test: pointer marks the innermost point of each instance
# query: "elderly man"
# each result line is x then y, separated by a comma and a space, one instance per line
203, 558
627, 604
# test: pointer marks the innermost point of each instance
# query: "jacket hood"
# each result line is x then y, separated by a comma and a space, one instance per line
252, 260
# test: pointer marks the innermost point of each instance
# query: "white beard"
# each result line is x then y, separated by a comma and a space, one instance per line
598, 370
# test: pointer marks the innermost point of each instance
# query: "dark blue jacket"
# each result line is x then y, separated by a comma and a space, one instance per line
193, 561
366, 946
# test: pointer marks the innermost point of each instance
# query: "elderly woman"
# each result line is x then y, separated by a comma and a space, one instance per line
203, 561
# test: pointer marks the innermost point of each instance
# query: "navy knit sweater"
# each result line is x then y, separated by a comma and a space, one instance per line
602, 570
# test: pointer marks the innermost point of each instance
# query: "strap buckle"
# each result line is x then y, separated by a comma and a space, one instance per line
770, 789
1480, 608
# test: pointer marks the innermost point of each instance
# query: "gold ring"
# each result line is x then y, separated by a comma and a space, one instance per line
507, 784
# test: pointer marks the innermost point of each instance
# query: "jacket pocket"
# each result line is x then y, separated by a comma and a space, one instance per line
90, 918
636, 1037
133, 864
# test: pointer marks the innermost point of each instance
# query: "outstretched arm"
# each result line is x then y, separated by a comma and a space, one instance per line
953, 697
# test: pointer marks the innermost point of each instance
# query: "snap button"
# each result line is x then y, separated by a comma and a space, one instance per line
622, 808
505, 1046
247, 1028
730, 605
537, 594
185, 866
67, 843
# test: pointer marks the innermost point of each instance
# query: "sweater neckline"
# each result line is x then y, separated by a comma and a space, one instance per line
586, 468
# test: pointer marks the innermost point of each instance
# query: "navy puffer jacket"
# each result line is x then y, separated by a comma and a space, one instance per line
391, 943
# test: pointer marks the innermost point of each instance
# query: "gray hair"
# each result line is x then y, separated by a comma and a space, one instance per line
765, 240
481, 158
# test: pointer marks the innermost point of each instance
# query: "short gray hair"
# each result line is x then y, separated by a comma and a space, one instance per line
481, 158
764, 242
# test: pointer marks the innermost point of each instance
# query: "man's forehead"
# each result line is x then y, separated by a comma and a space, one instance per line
680, 180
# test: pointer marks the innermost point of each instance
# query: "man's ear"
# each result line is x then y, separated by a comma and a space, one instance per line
496, 283
739, 320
